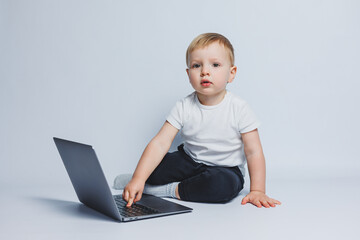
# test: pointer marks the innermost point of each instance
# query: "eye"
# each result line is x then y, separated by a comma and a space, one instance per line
195, 65
216, 65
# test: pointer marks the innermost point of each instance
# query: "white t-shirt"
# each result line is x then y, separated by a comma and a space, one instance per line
212, 134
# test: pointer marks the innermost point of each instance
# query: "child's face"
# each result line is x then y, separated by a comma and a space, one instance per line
210, 70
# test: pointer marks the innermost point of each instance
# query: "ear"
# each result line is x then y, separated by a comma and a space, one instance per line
187, 71
233, 70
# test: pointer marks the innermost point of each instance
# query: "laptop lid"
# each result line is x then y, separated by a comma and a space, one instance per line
87, 176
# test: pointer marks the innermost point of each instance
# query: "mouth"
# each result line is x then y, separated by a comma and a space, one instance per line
205, 83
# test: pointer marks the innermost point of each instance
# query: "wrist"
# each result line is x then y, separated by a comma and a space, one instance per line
257, 190
256, 186
138, 179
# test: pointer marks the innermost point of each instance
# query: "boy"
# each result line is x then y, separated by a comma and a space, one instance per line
217, 128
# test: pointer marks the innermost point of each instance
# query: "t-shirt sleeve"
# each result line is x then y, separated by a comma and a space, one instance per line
247, 120
175, 117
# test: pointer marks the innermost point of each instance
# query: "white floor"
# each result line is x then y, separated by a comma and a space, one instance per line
313, 209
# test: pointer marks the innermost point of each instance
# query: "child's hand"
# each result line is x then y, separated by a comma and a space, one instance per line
133, 189
259, 199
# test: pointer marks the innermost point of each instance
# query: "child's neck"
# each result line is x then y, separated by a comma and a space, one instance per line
211, 100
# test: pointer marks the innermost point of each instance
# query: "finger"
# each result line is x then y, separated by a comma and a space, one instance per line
126, 195
277, 202
245, 200
272, 202
131, 200
138, 197
265, 203
258, 204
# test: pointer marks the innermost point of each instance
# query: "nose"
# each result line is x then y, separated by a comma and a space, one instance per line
204, 71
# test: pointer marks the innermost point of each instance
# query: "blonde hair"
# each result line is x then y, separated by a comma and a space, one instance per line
206, 39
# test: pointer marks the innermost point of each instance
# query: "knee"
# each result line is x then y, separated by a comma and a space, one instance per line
223, 185
156, 178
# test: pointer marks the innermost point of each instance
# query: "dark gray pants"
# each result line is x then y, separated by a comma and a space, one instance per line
198, 182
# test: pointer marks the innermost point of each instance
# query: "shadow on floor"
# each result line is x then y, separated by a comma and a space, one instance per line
72, 209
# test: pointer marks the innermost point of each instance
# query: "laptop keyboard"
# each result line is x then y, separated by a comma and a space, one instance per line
135, 209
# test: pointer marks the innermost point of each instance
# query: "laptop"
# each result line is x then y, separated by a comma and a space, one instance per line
93, 190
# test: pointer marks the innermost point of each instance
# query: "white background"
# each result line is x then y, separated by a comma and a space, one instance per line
107, 73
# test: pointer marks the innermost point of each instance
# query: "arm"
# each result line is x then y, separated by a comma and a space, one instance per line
256, 164
150, 159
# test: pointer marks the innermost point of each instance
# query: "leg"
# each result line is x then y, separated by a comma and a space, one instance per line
175, 167
214, 185
177, 195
